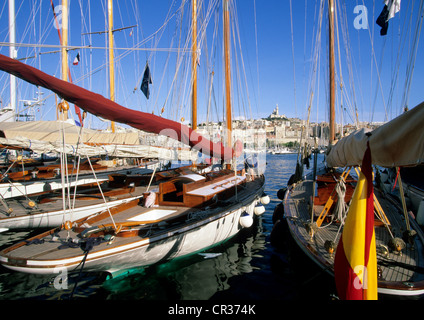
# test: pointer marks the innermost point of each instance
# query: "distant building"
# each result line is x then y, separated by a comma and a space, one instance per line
275, 115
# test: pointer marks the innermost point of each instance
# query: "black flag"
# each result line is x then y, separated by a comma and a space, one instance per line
146, 80
391, 7
383, 20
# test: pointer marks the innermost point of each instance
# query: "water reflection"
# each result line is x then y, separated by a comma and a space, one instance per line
192, 278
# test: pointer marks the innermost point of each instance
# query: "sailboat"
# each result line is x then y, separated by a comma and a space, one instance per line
187, 213
31, 192
314, 207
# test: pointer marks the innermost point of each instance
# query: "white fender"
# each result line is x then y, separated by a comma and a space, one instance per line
246, 220
265, 199
259, 210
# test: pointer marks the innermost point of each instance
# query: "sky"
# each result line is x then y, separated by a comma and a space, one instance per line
276, 58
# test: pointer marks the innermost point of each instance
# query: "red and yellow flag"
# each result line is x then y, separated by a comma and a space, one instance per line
355, 264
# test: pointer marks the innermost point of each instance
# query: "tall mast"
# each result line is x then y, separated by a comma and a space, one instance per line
12, 53
227, 70
194, 66
111, 57
332, 71
64, 53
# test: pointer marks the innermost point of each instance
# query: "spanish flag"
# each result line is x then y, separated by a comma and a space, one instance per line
355, 264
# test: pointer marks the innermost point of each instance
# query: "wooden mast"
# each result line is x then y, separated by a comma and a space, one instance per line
64, 50
332, 71
194, 66
111, 57
227, 71
12, 54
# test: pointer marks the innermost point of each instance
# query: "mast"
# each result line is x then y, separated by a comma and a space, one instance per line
332, 71
12, 54
64, 51
111, 57
194, 66
227, 70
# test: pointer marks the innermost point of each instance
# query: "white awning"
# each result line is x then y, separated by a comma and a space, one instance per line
54, 131
399, 142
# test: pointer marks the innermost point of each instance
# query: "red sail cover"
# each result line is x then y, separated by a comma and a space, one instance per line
105, 108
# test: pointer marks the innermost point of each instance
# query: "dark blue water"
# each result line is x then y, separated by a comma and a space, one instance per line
247, 267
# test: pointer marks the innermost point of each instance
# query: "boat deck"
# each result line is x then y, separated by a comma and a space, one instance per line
141, 227
58, 244
21, 206
393, 267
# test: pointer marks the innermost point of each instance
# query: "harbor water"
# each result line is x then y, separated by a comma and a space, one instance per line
246, 267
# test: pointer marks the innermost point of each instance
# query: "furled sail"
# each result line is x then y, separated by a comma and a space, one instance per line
111, 150
399, 142
51, 131
102, 107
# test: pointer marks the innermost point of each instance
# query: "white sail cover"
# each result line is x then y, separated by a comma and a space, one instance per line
112, 150
47, 136
53, 131
399, 142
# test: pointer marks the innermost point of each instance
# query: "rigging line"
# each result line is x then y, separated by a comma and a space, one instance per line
315, 56
159, 32
177, 93
181, 60
237, 30
294, 67
101, 191
63, 163
179, 66
203, 45
374, 59
54, 46
243, 65
346, 104
350, 62
413, 56
338, 16
257, 53
212, 61
304, 41
155, 105
400, 51
380, 67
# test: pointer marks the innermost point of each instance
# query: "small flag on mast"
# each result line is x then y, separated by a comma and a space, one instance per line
391, 7
76, 60
147, 79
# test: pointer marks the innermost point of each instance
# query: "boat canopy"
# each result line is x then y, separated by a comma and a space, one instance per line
111, 150
52, 131
399, 142
100, 106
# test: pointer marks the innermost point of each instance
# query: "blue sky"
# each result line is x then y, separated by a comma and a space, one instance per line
259, 83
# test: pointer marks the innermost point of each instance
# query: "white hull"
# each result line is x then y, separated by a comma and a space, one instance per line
175, 242
17, 189
56, 218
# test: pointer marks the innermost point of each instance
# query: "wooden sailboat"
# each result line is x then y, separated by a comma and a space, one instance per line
315, 207
49, 209
30, 191
189, 212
